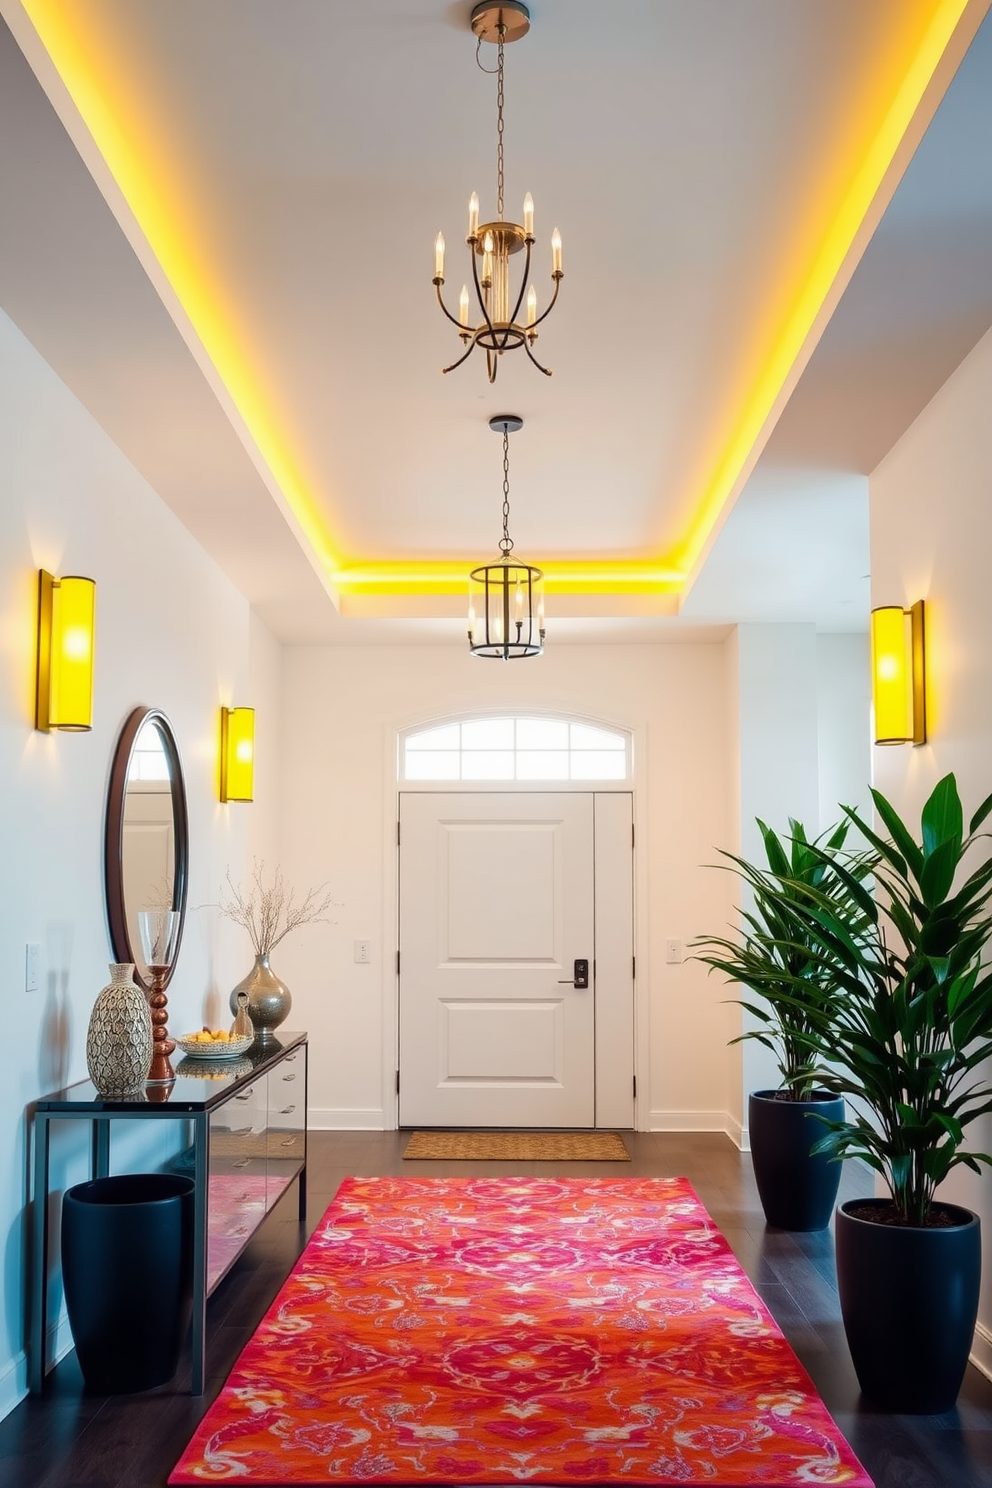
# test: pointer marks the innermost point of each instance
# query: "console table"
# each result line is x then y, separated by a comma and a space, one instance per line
248, 1120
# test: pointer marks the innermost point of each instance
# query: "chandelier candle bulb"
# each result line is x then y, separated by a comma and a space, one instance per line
531, 305
529, 215
556, 252
439, 257
473, 216
463, 306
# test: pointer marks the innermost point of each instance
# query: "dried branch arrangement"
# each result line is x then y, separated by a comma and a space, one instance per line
269, 911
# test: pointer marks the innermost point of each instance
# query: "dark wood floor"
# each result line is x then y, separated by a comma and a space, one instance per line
73, 1439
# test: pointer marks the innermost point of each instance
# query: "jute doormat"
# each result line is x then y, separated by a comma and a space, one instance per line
447, 1146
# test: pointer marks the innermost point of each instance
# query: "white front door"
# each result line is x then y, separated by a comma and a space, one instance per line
498, 899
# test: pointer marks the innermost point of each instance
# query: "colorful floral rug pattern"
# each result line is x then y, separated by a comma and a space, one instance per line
518, 1330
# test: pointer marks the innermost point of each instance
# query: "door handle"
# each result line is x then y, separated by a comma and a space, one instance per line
581, 978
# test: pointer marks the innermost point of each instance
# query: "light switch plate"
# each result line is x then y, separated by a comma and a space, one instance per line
32, 966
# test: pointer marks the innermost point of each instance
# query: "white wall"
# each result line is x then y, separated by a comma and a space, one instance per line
778, 763
931, 536
843, 709
171, 631
802, 745
343, 707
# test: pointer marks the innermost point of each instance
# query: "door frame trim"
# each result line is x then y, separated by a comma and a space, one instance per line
635, 786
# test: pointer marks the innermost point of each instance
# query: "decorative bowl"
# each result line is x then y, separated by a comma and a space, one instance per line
219, 1049
214, 1069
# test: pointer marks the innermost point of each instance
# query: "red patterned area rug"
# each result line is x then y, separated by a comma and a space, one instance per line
518, 1330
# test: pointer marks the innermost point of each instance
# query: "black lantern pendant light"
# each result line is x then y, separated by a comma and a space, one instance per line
506, 598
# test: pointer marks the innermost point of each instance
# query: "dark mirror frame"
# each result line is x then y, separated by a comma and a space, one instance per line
120, 938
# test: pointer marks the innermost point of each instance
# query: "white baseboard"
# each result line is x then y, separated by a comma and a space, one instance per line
981, 1350
14, 1379
695, 1121
329, 1118
13, 1383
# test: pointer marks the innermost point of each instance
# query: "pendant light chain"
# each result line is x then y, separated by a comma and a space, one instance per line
499, 125
506, 545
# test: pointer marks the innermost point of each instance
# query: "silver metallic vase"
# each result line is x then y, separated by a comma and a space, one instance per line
269, 999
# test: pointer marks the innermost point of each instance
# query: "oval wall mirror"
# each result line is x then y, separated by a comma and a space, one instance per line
146, 849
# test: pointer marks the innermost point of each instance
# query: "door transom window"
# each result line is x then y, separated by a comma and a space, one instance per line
521, 749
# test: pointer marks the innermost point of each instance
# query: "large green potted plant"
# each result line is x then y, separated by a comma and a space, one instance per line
908, 1040
774, 958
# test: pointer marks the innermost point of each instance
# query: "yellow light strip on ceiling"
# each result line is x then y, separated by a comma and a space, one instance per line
172, 242
562, 578
163, 230
829, 263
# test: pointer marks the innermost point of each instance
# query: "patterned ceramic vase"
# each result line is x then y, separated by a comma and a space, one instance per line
269, 999
119, 1038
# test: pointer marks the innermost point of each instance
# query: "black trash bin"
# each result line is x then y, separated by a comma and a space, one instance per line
127, 1270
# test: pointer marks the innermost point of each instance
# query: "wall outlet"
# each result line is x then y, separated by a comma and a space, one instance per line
363, 952
673, 952
32, 966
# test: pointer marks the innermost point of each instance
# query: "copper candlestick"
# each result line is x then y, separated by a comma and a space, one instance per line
159, 930
162, 1045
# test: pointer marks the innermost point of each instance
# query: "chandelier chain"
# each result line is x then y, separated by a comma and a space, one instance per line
506, 543
499, 126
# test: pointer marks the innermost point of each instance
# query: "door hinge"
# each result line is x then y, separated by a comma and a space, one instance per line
397, 834
633, 968
632, 834
397, 1082
635, 1086
397, 963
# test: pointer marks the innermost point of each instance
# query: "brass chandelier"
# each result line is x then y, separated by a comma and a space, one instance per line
500, 328
506, 598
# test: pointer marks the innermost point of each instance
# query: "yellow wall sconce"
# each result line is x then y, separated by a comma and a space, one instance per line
898, 674
64, 686
237, 754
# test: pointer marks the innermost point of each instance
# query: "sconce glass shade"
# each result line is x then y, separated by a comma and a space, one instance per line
898, 674
66, 622
237, 754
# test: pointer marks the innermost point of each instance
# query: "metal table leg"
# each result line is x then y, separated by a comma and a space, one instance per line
201, 1166
38, 1323
100, 1158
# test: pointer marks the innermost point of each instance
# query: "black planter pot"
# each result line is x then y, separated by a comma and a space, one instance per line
798, 1190
127, 1252
909, 1299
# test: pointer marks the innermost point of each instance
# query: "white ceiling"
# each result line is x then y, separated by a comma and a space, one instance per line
692, 153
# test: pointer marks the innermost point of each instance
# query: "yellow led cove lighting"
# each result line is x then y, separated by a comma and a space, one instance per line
97, 81
898, 674
565, 578
66, 619
237, 754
